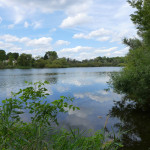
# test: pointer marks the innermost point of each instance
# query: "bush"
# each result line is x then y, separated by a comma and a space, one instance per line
134, 79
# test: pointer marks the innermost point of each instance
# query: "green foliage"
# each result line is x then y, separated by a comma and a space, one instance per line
51, 60
134, 78
2, 55
38, 134
25, 60
40, 63
1, 65
51, 55
13, 130
13, 55
80, 140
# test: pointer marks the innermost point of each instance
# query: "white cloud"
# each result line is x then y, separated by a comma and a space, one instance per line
73, 21
103, 21
52, 30
26, 24
62, 89
81, 52
9, 46
103, 92
99, 35
123, 11
41, 45
79, 95
96, 97
118, 36
32, 46
80, 36
102, 39
77, 81
75, 49
23, 9
24, 40
122, 52
36, 24
105, 50
62, 42
1, 19
43, 41
105, 35
11, 26
82, 113
9, 38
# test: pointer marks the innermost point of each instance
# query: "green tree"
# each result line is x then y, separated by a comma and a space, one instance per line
25, 60
60, 63
11, 60
8, 55
52, 55
40, 63
1, 65
2, 55
13, 55
134, 78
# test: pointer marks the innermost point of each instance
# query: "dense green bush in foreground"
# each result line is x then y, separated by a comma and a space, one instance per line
38, 134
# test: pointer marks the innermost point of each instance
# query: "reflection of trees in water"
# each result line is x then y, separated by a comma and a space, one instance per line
136, 122
52, 78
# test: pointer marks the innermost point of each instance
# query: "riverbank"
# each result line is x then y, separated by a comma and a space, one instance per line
54, 66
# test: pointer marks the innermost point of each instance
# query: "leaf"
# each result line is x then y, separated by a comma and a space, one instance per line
70, 106
3, 101
55, 102
46, 82
26, 82
74, 108
77, 108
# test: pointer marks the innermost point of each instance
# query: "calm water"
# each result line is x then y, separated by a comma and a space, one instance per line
87, 86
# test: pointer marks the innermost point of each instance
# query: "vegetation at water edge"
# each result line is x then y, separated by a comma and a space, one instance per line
38, 133
134, 79
51, 60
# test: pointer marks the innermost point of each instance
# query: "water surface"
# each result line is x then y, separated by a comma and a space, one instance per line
87, 86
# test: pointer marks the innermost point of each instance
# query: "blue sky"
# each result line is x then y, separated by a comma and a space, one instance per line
80, 29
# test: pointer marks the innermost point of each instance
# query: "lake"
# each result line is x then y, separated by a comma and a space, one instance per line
87, 86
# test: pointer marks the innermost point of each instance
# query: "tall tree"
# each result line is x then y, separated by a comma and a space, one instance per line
12, 55
8, 55
52, 55
15, 55
134, 79
2, 55
25, 60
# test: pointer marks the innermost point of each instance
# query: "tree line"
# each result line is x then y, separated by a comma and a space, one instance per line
51, 60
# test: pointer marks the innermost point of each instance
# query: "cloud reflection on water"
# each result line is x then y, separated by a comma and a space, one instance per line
85, 84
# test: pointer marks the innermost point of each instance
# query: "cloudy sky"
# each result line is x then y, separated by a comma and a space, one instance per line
79, 29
